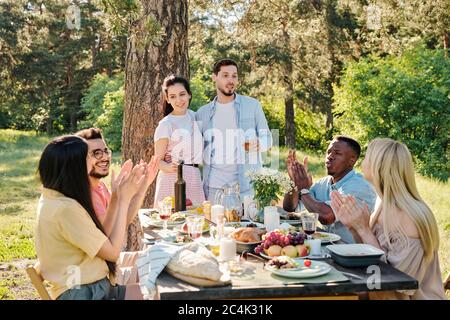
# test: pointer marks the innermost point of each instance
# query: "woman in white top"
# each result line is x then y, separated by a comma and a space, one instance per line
177, 134
402, 225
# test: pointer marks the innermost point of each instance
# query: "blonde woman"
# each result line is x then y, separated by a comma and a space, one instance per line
402, 225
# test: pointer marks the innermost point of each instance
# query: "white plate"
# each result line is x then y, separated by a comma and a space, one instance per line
159, 223
291, 222
155, 221
244, 224
327, 237
355, 250
316, 269
179, 229
311, 257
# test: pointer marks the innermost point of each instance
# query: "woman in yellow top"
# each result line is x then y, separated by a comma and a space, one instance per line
75, 254
402, 225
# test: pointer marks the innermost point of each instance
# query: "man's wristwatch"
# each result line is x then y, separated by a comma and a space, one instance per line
303, 192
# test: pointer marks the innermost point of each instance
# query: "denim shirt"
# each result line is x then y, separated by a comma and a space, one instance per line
250, 118
352, 183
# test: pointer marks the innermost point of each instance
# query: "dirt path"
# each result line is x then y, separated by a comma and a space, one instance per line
14, 281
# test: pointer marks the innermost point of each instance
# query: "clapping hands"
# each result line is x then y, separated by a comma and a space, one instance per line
298, 172
134, 181
349, 212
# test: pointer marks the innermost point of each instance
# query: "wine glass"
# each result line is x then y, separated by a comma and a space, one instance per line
195, 226
252, 211
165, 210
309, 223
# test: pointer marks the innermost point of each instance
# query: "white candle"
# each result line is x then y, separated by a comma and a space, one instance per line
271, 218
227, 249
216, 211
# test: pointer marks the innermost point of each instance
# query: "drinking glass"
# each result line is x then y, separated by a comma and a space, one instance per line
252, 211
214, 240
309, 223
195, 226
165, 210
250, 136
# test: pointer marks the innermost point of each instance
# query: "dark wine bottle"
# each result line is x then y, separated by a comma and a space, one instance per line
180, 190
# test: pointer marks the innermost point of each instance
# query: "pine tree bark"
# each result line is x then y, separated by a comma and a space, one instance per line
147, 64
288, 92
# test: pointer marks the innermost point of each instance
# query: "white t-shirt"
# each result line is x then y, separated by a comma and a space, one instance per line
183, 143
224, 169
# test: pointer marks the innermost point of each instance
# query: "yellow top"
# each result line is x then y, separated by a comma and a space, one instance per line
67, 242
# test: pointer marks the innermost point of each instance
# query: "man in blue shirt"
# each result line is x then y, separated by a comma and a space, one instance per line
235, 132
341, 156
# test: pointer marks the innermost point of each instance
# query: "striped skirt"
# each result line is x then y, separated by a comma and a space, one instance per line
165, 185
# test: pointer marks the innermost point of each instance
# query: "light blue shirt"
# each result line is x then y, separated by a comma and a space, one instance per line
250, 118
352, 183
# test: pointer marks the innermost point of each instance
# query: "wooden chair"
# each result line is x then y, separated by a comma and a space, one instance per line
38, 281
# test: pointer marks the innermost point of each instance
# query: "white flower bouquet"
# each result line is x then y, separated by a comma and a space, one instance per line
269, 185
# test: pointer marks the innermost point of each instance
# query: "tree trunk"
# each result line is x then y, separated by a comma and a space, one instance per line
288, 92
332, 42
445, 42
70, 98
49, 125
109, 48
147, 64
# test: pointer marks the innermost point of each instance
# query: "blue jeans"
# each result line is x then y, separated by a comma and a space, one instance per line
99, 290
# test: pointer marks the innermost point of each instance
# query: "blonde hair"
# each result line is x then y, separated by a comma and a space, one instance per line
392, 169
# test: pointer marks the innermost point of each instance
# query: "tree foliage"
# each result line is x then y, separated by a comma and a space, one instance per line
404, 98
290, 52
47, 64
103, 105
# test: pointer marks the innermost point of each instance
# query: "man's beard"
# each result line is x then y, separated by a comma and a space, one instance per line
97, 175
225, 93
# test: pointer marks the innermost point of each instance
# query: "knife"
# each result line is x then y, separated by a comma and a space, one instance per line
153, 234
352, 275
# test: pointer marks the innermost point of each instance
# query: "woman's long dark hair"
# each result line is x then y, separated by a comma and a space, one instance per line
62, 167
170, 81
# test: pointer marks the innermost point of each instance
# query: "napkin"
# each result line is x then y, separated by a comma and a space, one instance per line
150, 263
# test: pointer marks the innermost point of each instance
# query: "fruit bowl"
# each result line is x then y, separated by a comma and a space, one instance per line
282, 243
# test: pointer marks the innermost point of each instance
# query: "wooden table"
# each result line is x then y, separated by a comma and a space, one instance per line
390, 279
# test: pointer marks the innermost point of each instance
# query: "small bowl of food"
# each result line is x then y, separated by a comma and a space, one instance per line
247, 238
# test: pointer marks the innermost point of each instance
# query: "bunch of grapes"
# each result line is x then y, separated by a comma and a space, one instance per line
280, 238
298, 238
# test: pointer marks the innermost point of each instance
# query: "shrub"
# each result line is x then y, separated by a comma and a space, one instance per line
404, 98
103, 105
310, 127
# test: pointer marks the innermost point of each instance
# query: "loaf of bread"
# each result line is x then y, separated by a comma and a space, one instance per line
195, 261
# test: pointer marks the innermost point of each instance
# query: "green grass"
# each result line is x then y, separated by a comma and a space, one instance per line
19, 193
20, 190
